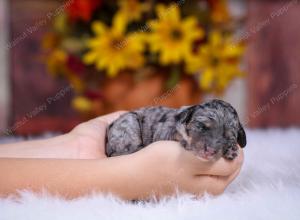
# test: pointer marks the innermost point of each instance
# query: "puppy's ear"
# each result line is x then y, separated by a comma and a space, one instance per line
241, 139
185, 115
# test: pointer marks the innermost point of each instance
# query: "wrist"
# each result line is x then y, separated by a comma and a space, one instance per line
63, 146
144, 175
129, 176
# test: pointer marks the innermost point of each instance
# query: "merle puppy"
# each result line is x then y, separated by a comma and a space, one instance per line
210, 130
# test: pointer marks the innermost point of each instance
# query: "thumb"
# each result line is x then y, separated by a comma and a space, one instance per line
109, 118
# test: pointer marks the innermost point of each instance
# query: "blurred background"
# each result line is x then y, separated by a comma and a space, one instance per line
63, 62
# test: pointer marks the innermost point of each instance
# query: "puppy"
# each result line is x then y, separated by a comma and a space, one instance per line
210, 130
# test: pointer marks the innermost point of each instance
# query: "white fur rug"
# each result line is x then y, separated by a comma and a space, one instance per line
267, 188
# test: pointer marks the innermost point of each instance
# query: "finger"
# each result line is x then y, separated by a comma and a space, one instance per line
109, 118
214, 185
208, 184
217, 184
228, 179
221, 167
225, 167
222, 182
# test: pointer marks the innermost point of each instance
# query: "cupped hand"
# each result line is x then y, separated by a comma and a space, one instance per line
163, 168
90, 136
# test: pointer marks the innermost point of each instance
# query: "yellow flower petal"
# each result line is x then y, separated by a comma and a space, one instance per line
206, 79
98, 27
194, 63
90, 57
119, 24
112, 71
173, 13
215, 39
132, 10
82, 104
233, 50
161, 11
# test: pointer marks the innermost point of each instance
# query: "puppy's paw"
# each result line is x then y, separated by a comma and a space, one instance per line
231, 152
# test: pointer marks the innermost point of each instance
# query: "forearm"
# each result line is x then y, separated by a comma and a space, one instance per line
68, 178
56, 147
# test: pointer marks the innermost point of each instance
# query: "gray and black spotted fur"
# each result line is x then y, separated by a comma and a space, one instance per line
210, 130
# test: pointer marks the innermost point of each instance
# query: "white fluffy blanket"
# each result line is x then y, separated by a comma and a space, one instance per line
267, 188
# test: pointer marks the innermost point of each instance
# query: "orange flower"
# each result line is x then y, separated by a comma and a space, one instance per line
82, 9
219, 13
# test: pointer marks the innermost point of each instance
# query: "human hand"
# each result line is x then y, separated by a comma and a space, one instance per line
164, 167
89, 137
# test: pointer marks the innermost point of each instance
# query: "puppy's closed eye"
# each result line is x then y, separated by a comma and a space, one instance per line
202, 126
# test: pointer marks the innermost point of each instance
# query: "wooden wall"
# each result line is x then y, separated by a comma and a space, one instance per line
31, 84
273, 59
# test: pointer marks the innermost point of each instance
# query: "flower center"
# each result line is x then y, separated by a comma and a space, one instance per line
176, 34
215, 61
118, 43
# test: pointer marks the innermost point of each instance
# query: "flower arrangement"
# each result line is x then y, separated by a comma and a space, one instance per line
95, 42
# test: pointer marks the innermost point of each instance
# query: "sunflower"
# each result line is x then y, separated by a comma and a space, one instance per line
112, 50
172, 36
132, 10
218, 61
